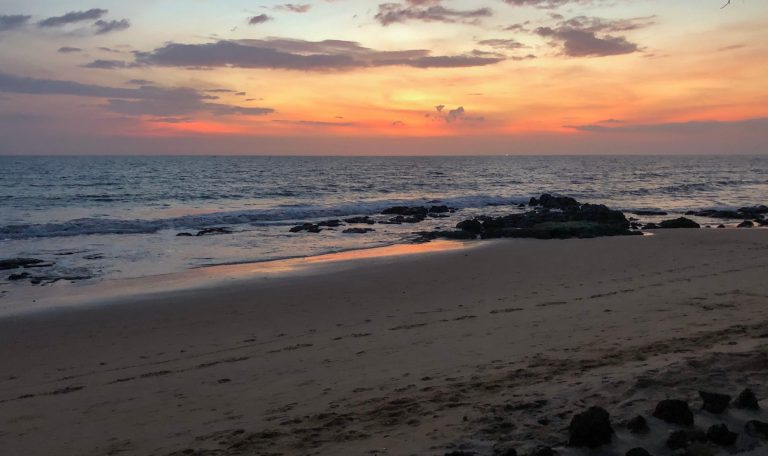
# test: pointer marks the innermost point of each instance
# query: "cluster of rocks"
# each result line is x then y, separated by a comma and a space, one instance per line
592, 428
751, 215
402, 214
551, 217
39, 278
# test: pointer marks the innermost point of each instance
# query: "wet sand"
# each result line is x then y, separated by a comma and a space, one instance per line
478, 348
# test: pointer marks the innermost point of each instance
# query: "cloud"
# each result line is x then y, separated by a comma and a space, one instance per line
427, 11
144, 100
591, 36
547, 4
316, 123
69, 49
13, 21
690, 127
101, 64
294, 8
72, 17
303, 55
500, 43
453, 115
103, 27
141, 82
259, 19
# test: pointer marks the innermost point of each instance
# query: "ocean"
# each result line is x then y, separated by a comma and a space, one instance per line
118, 216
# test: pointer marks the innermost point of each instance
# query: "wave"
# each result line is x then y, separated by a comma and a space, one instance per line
286, 214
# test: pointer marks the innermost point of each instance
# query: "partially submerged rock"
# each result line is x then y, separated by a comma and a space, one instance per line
680, 222
747, 400
720, 435
638, 425
591, 428
358, 230
638, 452
360, 220
13, 263
714, 402
746, 224
682, 439
757, 429
674, 411
213, 230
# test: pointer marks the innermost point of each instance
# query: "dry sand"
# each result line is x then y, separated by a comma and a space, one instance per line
500, 342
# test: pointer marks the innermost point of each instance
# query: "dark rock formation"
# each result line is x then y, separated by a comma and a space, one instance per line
720, 435
754, 211
715, 213
13, 263
439, 209
20, 276
330, 223
674, 411
184, 234
714, 402
637, 425
681, 222
406, 210
215, 230
548, 201
757, 429
360, 220
747, 400
746, 224
358, 230
542, 451
638, 452
591, 428
651, 226
308, 227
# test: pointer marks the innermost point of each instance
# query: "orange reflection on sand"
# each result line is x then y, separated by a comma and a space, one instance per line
296, 264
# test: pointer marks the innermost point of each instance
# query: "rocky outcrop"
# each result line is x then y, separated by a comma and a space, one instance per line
591, 428
714, 402
13, 263
681, 222
747, 400
674, 411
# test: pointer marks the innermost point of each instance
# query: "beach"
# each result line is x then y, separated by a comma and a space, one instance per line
478, 348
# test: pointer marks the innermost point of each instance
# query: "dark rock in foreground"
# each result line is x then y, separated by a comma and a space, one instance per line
591, 428
746, 224
681, 439
308, 227
649, 212
714, 402
406, 210
638, 425
681, 222
555, 217
358, 230
674, 411
360, 220
215, 230
13, 263
720, 435
21, 276
747, 400
757, 429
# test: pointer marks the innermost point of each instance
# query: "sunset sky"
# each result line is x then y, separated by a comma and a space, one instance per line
366, 77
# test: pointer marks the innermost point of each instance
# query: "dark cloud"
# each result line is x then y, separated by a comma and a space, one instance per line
427, 11
294, 8
259, 19
298, 55
72, 17
547, 4
591, 36
69, 49
500, 43
144, 100
453, 115
102, 64
103, 27
13, 21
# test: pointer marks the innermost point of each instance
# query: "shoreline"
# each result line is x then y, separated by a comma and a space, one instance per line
389, 356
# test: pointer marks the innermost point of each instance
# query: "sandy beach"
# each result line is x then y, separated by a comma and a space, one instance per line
492, 346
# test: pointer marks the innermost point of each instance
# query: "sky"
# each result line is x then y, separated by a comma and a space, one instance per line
408, 77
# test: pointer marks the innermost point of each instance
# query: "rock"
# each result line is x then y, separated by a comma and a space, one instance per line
360, 220
721, 226
406, 210
330, 223
746, 400
358, 230
472, 226
308, 227
13, 263
757, 429
44, 264
457, 235
183, 234
681, 439
681, 222
754, 211
439, 209
400, 219
214, 230
591, 428
542, 451
649, 212
698, 449
720, 435
554, 202
638, 425
20, 276
650, 226
504, 451
715, 213
746, 224
714, 402
674, 411
638, 452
